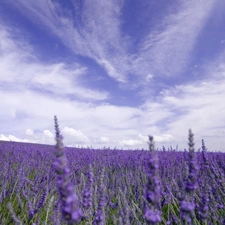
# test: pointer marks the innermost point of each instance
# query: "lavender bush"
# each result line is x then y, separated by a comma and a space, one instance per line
43, 184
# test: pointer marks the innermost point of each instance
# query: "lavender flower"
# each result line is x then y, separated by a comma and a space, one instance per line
152, 217
100, 213
68, 198
202, 210
88, 192
203, 146
152, 189
31, 211
42, 200
125, 214
187, 206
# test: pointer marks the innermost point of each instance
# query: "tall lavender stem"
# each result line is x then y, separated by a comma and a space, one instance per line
100, 213
187, 205
203, 146
152, 189
88, 193
68, 198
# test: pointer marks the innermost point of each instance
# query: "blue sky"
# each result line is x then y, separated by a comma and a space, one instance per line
113, 72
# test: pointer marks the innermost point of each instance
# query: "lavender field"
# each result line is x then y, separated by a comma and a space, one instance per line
43, 184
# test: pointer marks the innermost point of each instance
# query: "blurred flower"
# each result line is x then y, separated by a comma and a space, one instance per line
152, 188
152, 217
100, 213
68, 198
203, 146
88, 193
186, 206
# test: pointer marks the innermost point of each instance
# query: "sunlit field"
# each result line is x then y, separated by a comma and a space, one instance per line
54, 185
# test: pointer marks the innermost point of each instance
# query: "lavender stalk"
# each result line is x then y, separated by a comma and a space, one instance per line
152, 189
188, 205
68, 198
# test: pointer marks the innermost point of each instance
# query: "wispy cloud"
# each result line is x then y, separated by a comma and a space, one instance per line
199, 106
142, 140
92, 32
75, 135
12, 138
20, 69
167, 50
44, 137
93, 29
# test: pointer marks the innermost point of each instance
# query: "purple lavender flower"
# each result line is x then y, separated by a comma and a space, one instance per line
203, 146
193, 167
68, 198
100, 213
42, 200
152, 189
31, 212
187, 209
187, 206
88, 192
125, 211
203, 209
152, 217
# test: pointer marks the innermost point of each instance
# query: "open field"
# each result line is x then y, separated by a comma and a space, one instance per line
41, 183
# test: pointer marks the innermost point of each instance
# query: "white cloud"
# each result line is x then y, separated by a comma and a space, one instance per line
149, 77
57, 78
45, 137
96, 38
29, 132
154, 112
12, 138
104, 139
163, 138
97, 34
75, 135
130, 142
143, 137
198, 106
168, 49
48, 134
143, 140
4, 138
115, 116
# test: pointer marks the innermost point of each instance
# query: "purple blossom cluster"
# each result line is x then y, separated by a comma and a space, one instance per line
187, 206
152, 189
68, 198
100, 212
88, 194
